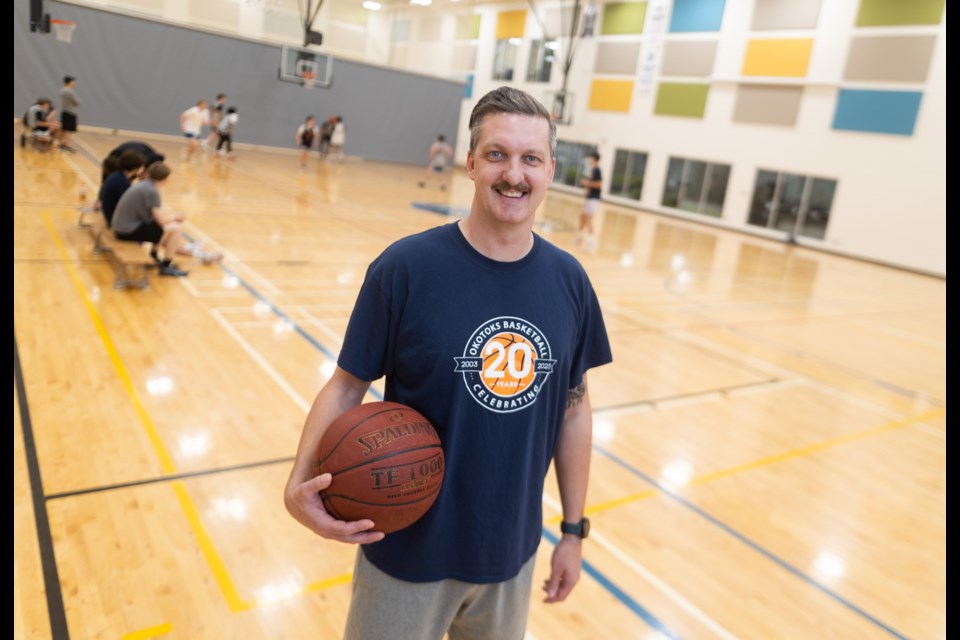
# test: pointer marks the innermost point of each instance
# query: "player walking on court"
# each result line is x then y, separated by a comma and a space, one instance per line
191, 124
228, 124
69, 105
440, 155
215, 116
461, 322
338, 138
306, 134
591, 204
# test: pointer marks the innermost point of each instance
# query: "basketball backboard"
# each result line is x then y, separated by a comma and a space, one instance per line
297, 61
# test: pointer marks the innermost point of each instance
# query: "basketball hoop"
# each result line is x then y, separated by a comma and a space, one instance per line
309, 79
63, 29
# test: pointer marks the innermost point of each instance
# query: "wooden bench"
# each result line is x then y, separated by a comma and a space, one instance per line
131, 259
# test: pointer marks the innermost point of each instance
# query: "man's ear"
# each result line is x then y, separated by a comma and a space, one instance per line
470, 163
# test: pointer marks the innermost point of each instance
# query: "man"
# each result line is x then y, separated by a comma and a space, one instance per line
140, 217
69, 105
592, 183
440, 155
487, 330
129, 166
39, 124
216, 115
192, 121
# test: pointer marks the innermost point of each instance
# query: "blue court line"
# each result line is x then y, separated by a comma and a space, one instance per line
619, 593
303, 334
592, 571
442, 209
750, 543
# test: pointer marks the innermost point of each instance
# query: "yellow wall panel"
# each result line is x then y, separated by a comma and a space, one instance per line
511, 24
611, 95
784, 58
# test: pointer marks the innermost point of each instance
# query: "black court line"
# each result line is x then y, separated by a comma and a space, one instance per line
48, 560
169, 478
685, 396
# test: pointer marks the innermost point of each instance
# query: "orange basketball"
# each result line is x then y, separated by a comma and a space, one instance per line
387, 465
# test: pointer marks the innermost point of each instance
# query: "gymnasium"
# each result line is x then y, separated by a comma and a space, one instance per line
769, 254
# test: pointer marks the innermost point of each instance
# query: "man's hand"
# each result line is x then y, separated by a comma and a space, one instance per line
564, 569
305, 505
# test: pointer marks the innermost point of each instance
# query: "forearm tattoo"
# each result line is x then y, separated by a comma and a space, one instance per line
575, 395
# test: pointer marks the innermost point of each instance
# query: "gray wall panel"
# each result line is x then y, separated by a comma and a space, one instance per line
140, 75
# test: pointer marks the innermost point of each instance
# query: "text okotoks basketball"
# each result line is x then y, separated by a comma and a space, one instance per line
505, 363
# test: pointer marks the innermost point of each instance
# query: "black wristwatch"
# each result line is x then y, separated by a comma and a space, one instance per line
580, 529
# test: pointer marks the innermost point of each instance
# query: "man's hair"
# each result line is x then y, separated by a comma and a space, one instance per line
509, 100
221, 96
231, 110
44, 101
68, 79
130, 160
595, 156
441, 138
158, 171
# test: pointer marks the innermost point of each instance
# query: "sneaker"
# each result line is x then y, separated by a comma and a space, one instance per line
210, 257
172, 270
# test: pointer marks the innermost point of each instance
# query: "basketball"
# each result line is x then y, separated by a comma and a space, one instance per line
387, 465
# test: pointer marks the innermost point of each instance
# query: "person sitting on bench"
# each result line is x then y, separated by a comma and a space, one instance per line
140, 217
128, 168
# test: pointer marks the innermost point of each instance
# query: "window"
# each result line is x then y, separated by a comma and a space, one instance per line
696, 186
542, 54
505, 58
798, 205
628, 170
571, 162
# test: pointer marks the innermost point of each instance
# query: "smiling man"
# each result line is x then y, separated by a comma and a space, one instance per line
488, 330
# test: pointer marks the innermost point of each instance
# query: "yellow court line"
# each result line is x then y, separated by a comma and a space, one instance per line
329, 582
769, 460
815, 448
234, 601
149, 632
166, 461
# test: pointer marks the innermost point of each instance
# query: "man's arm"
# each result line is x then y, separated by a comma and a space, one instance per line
164, 217
300, 496
572, 462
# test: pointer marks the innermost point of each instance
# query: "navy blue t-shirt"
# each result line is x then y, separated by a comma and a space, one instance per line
487, 351
113, 187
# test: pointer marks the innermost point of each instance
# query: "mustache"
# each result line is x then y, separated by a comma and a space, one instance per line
503, 185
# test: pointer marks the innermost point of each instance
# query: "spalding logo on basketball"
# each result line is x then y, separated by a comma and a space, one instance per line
387, 465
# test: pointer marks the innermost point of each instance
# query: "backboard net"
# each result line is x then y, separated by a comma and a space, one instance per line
63, 29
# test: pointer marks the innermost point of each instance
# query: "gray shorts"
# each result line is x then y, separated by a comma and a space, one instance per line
591, 206
383, 607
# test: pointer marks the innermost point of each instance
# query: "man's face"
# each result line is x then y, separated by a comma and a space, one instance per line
511, 167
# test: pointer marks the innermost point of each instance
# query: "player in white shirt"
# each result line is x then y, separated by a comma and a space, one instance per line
191, 124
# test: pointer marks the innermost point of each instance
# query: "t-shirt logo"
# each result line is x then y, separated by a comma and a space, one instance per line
505, 364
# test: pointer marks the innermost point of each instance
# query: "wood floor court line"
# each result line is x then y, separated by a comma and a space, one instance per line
666, 490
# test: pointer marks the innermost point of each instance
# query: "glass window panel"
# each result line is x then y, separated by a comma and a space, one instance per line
692, 186
619, 177
542, 54
788, 208
717, 192
818, 208
671, 187
504, 58
571, 160
638, 167
762, 206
